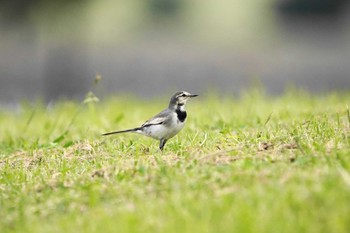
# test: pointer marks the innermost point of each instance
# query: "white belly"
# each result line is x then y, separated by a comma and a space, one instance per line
164, 131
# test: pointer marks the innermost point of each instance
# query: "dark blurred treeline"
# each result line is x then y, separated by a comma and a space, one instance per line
20, 11
311, 7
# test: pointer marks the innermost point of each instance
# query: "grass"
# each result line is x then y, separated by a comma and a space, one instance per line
241, 164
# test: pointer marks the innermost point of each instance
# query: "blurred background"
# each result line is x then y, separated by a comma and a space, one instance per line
54, 49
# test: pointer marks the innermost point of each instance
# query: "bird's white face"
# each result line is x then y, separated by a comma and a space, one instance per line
182, 97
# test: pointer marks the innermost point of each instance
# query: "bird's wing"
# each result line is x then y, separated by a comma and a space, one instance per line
161, 118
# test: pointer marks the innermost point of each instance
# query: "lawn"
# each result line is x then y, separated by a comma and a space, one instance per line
247, 163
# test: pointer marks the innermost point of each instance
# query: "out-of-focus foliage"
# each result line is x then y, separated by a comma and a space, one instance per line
19, 11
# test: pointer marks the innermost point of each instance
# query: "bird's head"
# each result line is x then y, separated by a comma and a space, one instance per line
180, 98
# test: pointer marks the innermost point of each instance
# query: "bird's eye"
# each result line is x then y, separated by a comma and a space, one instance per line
183, 95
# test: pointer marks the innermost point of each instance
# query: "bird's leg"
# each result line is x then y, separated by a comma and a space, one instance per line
162, 143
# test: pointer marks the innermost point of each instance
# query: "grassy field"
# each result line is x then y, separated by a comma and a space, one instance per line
242, 164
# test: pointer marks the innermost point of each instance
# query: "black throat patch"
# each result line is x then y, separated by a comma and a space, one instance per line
181, 115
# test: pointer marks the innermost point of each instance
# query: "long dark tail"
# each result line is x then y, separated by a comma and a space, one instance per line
122, 131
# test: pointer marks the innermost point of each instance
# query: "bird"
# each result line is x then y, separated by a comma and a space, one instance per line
165, 124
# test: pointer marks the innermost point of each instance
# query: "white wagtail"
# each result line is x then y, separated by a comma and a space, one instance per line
167, 123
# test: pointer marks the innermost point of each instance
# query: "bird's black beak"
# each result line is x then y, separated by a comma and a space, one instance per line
193, 96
